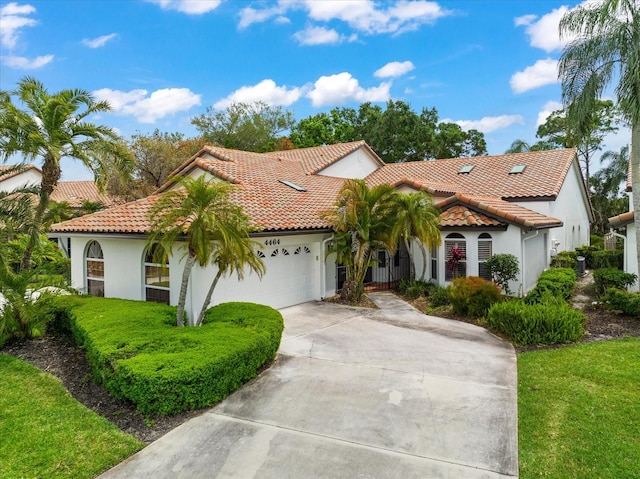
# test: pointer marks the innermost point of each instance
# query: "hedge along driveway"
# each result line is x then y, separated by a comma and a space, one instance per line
139, 354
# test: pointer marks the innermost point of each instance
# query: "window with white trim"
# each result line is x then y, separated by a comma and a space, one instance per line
156, 275
455, 247
434, 263
485, 250
94, 268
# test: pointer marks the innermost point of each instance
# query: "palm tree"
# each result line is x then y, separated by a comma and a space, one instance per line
363, 223
416, 217
53, 127
233, 252
606, 49
212, 227
618, 168
57, 211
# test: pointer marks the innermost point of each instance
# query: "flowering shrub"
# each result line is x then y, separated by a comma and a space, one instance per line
456, 255
473, 296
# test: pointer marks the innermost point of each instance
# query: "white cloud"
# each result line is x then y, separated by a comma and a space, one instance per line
98, 42
543, 72
547, 109
317, 36
394, 69
148, 109
487, 124
361, 15
249, 15
22, 63
341, 88
13, 18
266, 91
190, 7
524, 20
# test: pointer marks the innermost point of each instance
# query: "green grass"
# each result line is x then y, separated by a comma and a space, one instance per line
44, 432
579, 411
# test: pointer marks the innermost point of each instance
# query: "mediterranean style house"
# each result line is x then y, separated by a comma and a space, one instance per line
625, 221
531, 205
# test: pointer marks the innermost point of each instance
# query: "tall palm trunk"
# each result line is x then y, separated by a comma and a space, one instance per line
191, 260
423, 250
412, 266
635, 183
207, 299
50, 177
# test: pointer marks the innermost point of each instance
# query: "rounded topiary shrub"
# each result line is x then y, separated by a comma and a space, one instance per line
473, 296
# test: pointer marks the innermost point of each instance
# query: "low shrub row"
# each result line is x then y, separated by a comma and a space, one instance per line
557, 282
550, 321
596, 257
138, 353
612, 278
618, 300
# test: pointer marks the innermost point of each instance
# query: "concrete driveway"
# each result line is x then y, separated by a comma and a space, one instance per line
357, 393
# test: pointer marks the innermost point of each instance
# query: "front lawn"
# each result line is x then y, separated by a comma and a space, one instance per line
579, 411
44, 432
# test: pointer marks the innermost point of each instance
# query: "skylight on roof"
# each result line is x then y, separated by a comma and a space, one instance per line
290, 184
517, 169
465, 169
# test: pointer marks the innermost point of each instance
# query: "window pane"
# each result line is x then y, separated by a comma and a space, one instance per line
483, 272
157, 295
95, 269
156, 276
484, 250
94, 250
95, 287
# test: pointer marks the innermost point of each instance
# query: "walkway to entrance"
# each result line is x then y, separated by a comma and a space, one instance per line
387, 393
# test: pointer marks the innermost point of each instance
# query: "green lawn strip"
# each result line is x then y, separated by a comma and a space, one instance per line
579, 411
44, 432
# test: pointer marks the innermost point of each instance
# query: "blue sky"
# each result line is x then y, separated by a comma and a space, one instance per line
489, 65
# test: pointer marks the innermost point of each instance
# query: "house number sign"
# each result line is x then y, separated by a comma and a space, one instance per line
272, 242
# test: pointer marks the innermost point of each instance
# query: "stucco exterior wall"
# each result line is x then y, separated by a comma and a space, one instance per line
571, 208
631, 256
27, 178
358, 164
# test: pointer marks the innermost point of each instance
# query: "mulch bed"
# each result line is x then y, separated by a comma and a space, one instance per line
60, 357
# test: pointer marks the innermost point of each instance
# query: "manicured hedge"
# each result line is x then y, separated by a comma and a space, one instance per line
556, 282
551, 322
620, 300
139, 354
612, 278
473, 296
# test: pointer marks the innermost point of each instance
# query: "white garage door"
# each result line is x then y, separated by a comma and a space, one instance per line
290, 274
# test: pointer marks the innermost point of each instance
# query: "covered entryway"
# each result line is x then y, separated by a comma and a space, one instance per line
385, 274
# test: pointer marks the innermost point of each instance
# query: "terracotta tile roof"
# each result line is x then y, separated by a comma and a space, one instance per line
274, 206
500, 210
4, 168
462, 216
542, 177
75, 192
622, 220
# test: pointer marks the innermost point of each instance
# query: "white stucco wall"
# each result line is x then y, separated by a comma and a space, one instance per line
358, 164
289, 279
631, 255
30, 177
571, 208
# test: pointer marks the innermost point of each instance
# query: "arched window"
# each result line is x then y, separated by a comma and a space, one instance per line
94, 267
156, 275
455, 256
485, 250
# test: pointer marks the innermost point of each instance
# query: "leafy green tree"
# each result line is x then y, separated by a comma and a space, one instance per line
606, 52
521, 146
57, 211
155, 157
608, 198
53, 127
558, 132
363, 222
245, 126
417, 217
396, 133
16, 211
503, 268
212, 227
